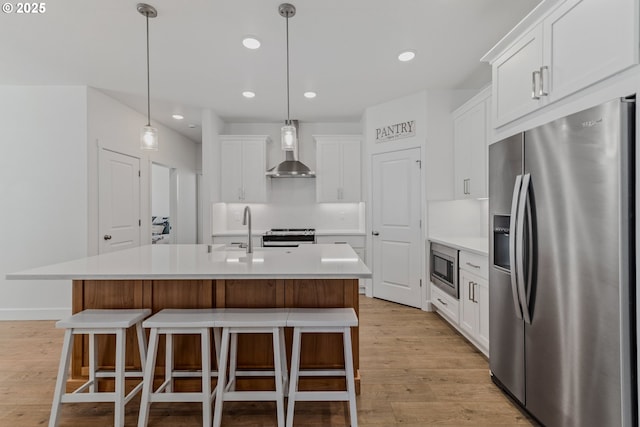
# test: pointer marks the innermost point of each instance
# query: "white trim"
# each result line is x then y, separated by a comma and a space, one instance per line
50, 313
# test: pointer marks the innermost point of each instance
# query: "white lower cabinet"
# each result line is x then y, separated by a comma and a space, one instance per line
445, 304
470, 313
474, 312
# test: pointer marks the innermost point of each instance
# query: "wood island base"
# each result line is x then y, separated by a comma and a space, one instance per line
254, 350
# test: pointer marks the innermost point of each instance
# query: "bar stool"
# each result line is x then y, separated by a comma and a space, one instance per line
322, 320
234, 321
171, 322
93, 323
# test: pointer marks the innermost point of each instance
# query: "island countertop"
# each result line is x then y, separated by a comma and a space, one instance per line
318, 261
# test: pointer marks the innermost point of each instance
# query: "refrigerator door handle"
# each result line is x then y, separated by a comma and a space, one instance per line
512, 246
522, 206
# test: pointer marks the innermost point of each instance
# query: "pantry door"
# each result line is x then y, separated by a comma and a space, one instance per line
119, 201
396, 205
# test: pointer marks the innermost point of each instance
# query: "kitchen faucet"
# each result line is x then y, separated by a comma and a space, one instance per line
247, 212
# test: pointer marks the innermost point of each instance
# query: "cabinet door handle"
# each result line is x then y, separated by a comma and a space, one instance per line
442, 302
473, 265
473, 289
375, 233
542, 92
107, 237
534, 92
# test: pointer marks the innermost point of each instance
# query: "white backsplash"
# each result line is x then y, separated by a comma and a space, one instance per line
459, 218
292, 205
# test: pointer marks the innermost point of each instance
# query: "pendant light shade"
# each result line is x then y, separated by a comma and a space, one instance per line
148, 134
289, 137
149, 138
288, 134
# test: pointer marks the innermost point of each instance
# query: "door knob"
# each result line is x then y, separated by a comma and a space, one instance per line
107, 237
375, 233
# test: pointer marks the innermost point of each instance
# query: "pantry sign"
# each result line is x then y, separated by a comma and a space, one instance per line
396, 131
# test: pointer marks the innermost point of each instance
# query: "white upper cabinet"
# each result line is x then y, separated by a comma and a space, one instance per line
514, 87
243, 166
470, 133
572, 45
338, 168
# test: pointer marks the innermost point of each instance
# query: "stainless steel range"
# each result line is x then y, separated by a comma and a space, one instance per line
288, 237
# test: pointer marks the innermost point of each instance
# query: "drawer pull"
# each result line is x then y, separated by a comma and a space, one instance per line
442, 302
340, 243
473, 265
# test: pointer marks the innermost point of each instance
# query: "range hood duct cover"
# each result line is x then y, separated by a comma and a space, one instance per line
290, 168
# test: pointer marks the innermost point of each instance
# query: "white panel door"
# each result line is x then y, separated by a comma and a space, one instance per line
254, 166
119, 201
397, 252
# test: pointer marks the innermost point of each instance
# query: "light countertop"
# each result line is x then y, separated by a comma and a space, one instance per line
478, 245
195, 262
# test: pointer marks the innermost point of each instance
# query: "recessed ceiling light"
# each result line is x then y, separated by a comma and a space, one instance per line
310, 95
406, 56
248, 94
178, 116
251, 42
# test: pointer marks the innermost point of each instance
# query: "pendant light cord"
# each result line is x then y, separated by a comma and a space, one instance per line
288, 119
148, 84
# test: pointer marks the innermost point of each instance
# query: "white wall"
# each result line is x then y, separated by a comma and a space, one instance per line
116, 127
212, 126
49, 184
43, 193
160, 205
458, 218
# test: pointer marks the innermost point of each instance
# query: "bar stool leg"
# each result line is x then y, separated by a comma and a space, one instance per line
147, 387
285, 373
93, 362
222, 377
216, 341
293, 378
168, 361
119, 386
278, 379
206, 377
142, 345
348, 366
233, 362
61, 382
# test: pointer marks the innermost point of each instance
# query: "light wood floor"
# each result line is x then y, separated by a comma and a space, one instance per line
416, 371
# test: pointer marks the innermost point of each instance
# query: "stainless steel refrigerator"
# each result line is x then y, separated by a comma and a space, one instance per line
562, 260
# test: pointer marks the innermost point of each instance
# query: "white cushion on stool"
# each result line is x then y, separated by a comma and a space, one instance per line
327, 317
248, 317
121, 318
182, 318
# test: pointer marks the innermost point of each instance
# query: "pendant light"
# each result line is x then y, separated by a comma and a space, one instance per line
148, 134
288, 134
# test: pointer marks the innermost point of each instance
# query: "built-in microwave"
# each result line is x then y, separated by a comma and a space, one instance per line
444, 268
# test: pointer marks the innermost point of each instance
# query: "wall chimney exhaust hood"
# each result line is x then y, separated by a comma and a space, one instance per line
291, 167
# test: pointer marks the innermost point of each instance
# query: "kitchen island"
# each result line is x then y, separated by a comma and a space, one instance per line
205, 276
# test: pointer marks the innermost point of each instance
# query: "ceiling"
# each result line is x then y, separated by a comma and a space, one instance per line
343, 50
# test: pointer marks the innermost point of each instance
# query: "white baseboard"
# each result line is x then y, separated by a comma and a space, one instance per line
52, 313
